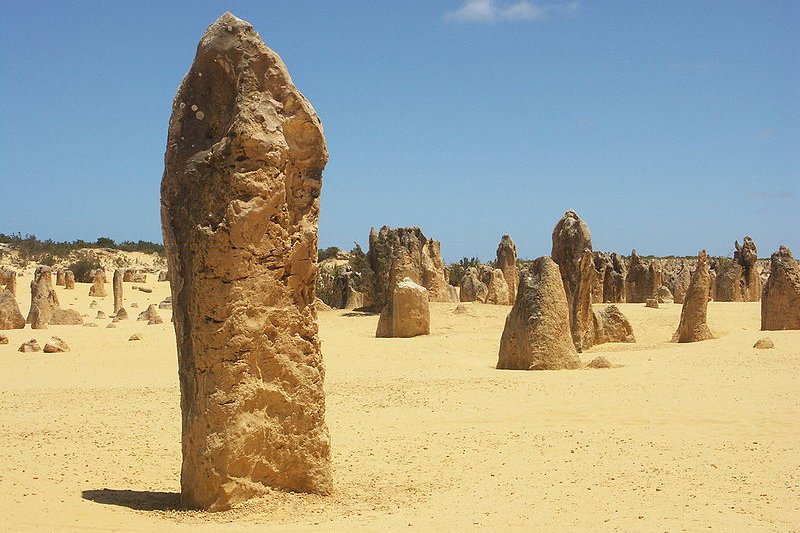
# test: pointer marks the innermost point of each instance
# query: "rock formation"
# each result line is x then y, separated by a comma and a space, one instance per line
643, 279
536, 334
8, 278
472, 288
693, 327
121, 314
764, 343
240, 209
677, 281
119, 274
69, 279
651, 302
612, 326
98, 288
30, 346
10, 315
572, 251
163, 276
66, 317
664, 295
614, 280
599, 362
602, 263
409, 313
780, 299
507, 263
60, 280
44, 300
399, 253
3, 338
150, 315
498, 289
56, 345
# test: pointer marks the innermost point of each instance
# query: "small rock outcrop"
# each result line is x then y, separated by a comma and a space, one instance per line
780, 298
10, 315
536, 334
98, 288
693, 326
66, 317
764, 343
652, 303
612, 326
599, 362
3, 338
507, 263
8, 279
151, 315
409, 313
56, 345
30, 347
664, 295
240, 211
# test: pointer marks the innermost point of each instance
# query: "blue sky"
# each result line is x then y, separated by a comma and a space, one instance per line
668, 126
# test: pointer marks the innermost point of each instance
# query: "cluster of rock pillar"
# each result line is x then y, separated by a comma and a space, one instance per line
240, 209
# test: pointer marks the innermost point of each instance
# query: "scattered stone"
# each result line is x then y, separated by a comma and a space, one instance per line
66, 317
3, 338
30, 346
163, 276
693, 327
135, 305
409, 313
91, 325
151, 315
240, 209
10, 315
93, 305
460, 309
507, 263
122, 314
167, 303
111, 325
148, 290
319, 304
536, 334
98, 288
135, 337
599, 362
780, 299
764, 343
102, 315
56, 345
651, 302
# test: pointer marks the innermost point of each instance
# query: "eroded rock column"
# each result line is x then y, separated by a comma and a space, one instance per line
119, 274
240, 208
693, 326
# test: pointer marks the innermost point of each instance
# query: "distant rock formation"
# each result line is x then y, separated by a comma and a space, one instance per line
612, 326
693, 326
43, 298
780, 299
472, 288
498, 289
240, 210
643, 279
507, 263
536, 334
399, 253
98, 288
69, 280
8, 279
614, 280
119, 274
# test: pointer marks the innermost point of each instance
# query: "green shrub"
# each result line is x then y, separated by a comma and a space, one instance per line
83, 268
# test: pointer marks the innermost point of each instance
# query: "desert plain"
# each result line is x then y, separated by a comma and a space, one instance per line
426, 434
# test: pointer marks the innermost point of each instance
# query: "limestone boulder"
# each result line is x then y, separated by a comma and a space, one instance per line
56, 345
98, 288
8, 279
664, 295
240, 210
409, 313
30, 346
69, 280
536, 335
10, 315
472, 288
498, 290
693, 326
66, 317
612, 326
764, 343
780, 298
44, 300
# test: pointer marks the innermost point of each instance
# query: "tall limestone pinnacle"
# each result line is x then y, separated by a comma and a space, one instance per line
239, 210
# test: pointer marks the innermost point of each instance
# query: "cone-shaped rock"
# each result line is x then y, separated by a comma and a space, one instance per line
572, 250
240, 208
693, 326
69, 279
98, 288
507, 262
44, 300
536, 335
10, 315
780, 299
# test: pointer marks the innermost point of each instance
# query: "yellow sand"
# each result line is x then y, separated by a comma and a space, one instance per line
426, 434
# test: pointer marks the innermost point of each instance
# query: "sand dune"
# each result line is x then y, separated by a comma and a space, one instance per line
426, 434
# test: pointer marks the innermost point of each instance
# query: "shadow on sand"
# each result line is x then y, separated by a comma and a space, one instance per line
141, 500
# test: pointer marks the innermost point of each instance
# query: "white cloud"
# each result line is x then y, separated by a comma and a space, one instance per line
491, 10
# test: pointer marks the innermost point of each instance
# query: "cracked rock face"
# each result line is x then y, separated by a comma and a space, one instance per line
240, 207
